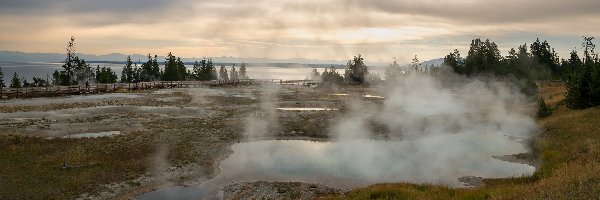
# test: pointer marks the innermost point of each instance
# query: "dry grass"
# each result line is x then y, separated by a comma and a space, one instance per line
569, 151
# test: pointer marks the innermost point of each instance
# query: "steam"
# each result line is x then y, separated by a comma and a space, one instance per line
422, 106
260, 125
436, 131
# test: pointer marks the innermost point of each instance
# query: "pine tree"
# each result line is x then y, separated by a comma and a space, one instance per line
98, 74
583, 84
543, 109
181, 71
127, 73
416, 65
454, 61
25, 83
171, 71
150, 69
15, 82
223, 74
196, 70
69, 65
483, 57
315, 75
332, 76
105, 75
233, 74
544, 55
393, 71
356, 70
243, 74
2, 78
211, 70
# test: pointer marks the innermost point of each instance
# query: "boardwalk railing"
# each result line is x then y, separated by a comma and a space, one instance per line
49, 91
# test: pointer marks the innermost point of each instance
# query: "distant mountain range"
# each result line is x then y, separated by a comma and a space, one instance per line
15, 56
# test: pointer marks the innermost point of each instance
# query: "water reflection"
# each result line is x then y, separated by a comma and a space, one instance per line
356, 163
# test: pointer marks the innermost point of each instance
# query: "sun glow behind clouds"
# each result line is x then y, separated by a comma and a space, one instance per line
366, 35
333, 29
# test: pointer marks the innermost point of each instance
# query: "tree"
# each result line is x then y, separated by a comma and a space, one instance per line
25, 83
543, 109
233, 74
454, 61
583, 84
393, 71
69, 65
205, 70
2, 78
75, 70
332, 76
416, 65
542, 54
105, 75
484, 57
315, 75
150, 70
15, 82
127, 73
223, 74
196, 69
83, 71
356, 70
242, 73
174, 69
588, 49
38, 82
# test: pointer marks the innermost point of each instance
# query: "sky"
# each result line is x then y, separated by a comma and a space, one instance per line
380, 30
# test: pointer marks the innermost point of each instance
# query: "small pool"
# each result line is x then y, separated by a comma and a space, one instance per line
93, 135
307, 109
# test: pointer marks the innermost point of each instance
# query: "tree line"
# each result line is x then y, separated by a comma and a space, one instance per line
355, 72
537, 61
76, 71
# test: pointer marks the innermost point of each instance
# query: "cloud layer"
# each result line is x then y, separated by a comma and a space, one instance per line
333, 29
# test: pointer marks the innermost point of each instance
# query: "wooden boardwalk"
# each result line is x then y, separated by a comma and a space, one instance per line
50, 91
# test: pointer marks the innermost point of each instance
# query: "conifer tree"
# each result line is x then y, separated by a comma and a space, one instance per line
2, 78
242, 73
223, 73
15, 82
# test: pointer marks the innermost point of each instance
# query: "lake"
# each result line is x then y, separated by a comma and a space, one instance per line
30, 70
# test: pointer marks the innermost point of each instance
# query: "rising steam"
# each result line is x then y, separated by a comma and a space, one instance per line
437, 131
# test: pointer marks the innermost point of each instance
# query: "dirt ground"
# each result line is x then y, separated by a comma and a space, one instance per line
163, 137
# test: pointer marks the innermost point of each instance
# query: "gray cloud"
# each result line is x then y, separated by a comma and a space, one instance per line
292, 28
489, 11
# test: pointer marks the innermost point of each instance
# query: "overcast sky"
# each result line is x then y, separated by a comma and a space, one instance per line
315, 29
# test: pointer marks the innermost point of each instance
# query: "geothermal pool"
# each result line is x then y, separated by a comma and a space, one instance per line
355, 163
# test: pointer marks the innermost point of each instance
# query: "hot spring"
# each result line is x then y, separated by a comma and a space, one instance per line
358, 163
432, 132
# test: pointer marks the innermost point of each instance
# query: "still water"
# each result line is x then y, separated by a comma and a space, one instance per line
357, 163
30, 70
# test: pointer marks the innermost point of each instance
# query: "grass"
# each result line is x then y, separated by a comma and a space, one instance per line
31, 166
568, 149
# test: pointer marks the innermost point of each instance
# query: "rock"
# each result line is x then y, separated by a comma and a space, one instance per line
471, 181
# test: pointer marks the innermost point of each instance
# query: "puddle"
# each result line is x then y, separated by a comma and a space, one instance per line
356, 163
249, 96
373, 96
93, 135
307, 109
340, 94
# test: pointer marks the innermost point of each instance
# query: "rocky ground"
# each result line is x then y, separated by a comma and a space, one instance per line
277, 190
